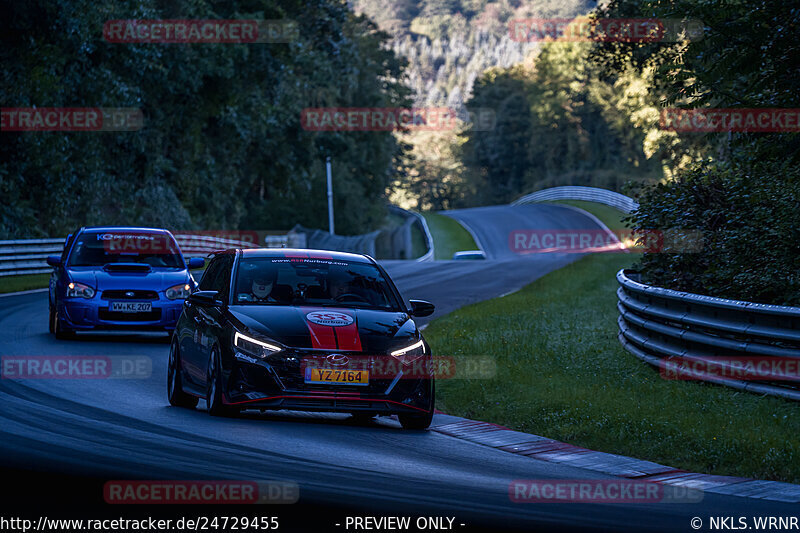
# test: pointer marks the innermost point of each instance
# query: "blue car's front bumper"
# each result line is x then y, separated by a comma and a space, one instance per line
90, 314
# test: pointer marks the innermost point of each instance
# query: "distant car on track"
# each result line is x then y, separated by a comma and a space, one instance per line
118, 278
469, 255
301, 330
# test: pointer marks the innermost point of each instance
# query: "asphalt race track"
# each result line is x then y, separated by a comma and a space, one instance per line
89, 431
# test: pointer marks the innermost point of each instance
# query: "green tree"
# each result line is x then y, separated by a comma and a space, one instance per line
222, 145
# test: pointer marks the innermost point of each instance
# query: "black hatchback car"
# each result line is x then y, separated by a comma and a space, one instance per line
301, 330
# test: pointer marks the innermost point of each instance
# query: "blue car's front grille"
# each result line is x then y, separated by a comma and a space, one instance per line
131, 294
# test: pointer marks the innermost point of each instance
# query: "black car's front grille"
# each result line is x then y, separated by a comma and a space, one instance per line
116, 316
129, 295
290, 368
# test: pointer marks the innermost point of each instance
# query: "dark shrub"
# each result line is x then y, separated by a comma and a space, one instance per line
749, 216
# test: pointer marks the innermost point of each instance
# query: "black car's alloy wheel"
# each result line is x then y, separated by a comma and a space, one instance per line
175, 392
214, 388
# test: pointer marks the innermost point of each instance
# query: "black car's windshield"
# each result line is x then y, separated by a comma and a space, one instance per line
293, 281
102, 248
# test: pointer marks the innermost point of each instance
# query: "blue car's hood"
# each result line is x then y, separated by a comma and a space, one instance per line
156, 279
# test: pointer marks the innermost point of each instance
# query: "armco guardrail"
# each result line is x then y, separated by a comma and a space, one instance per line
657, 323
590, 194
27, 256
30, 256
426, 232
428, 256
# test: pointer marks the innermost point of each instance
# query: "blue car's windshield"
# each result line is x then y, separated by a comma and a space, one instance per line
320, 282
102, 248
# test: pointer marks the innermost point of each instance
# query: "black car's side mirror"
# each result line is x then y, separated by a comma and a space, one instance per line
204, 298
421, 308
53, 260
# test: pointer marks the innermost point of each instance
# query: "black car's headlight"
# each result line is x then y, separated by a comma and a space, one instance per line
79, 290
181, 291
254, 347
411, 353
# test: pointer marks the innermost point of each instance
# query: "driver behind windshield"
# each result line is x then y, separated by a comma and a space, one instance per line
341, 287
338, 284
257, 286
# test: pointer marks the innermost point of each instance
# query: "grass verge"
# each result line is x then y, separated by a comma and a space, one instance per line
449, 236
23, 283
562, 373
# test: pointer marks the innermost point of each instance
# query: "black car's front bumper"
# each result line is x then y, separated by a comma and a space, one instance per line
278, 382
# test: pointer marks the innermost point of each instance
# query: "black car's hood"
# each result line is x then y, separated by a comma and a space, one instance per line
345, 329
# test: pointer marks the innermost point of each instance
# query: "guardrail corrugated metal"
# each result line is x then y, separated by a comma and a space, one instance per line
429, 255
658, 325
30, 256
589, 194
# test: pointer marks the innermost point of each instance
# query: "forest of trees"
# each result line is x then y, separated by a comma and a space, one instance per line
559, 121
450, 43
588, 113
222, 145
743, 194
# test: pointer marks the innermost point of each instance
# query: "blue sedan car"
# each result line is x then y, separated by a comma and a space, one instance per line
119, 278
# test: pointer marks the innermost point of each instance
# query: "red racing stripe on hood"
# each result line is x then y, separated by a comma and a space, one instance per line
332, 329
347, 337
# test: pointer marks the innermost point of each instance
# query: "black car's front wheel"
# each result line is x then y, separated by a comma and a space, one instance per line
420, 420
363, 417
175, 392
214, 388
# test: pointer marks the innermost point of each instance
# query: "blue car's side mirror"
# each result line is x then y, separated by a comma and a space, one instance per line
53, 260
196, 262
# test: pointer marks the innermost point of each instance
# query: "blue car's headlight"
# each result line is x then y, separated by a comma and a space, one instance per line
79, 290
176, 292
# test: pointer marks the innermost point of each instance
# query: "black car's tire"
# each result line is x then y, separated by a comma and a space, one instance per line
419, 420
416, 421
362, 417
214, 388
175, 393
51, 323
58, 329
